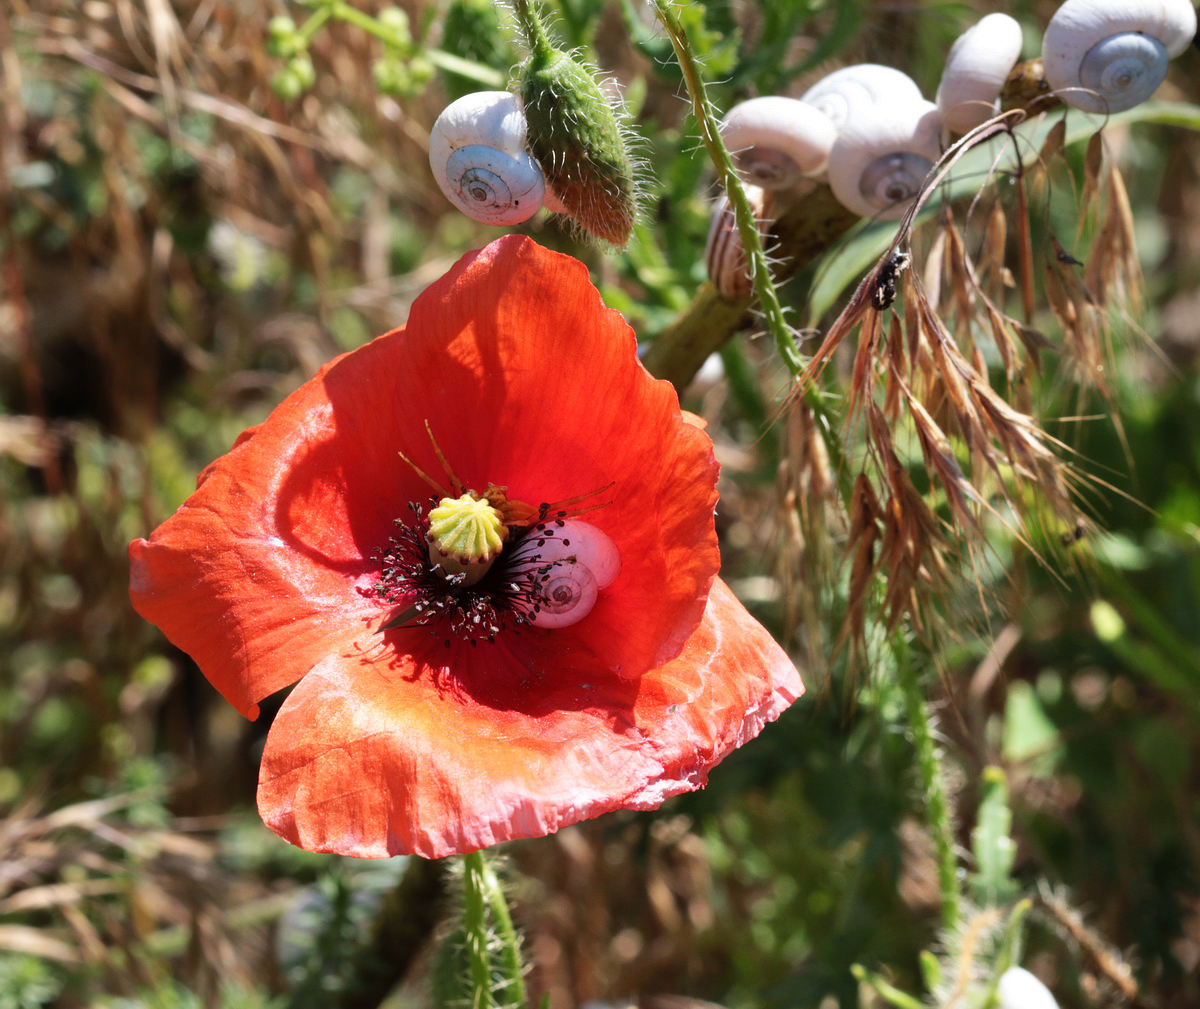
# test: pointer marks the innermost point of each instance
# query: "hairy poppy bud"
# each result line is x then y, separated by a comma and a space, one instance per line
574, 136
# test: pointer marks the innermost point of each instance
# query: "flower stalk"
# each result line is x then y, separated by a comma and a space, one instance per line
756, 257
937, 802
493, 947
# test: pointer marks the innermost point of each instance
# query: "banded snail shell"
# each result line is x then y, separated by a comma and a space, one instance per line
724, 254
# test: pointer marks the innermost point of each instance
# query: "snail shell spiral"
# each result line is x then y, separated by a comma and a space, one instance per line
477, 153
775, 140
1109, 55
570, 569
843, 94
882, 157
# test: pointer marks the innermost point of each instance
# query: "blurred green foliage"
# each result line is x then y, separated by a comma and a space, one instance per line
188, 260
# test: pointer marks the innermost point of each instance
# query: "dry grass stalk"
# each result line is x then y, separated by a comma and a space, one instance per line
924, 374
809, 514
96, 882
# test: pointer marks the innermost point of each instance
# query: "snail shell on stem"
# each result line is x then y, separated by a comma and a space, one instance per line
1018, 989
477, 153
976, 69
1109, 55
882, 157
844, 93
775, 140
571, 567
724, 254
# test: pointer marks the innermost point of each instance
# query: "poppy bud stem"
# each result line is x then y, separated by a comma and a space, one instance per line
492, 944
710, 134
531, 27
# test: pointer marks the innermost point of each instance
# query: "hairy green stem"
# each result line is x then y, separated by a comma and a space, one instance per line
1009, 953
475, 930
937, 802
510, 952
813, 223
531, 26
756, 258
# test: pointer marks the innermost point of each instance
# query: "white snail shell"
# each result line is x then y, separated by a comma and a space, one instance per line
571, 567
882, 156
775, 140
1018, 989
1109, 56
724, 253
477, 153
976, 69
844, 93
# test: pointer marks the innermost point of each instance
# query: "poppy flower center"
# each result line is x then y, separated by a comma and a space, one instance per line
459, 569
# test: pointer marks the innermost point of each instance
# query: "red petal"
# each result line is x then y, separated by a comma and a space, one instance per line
393, 754
549, 400
526, 380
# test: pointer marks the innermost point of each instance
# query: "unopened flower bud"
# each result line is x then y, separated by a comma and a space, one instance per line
396, 21
392, 77
283, 39
574, 136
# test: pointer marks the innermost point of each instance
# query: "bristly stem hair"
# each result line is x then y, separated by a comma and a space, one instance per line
756, 257
493, 950
933, 781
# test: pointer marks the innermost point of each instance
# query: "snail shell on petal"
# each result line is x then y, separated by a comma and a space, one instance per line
1109, 56
570, 592
775, 140
477, 153
843, 93
724, 253
571, 566
882, 157
976, 69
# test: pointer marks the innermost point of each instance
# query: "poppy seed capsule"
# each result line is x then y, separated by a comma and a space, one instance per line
468, 533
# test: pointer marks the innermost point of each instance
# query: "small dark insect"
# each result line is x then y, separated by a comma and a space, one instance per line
1075, 534
1066, 257
885, 287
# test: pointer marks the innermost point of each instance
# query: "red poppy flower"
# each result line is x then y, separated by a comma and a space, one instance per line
430, 736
